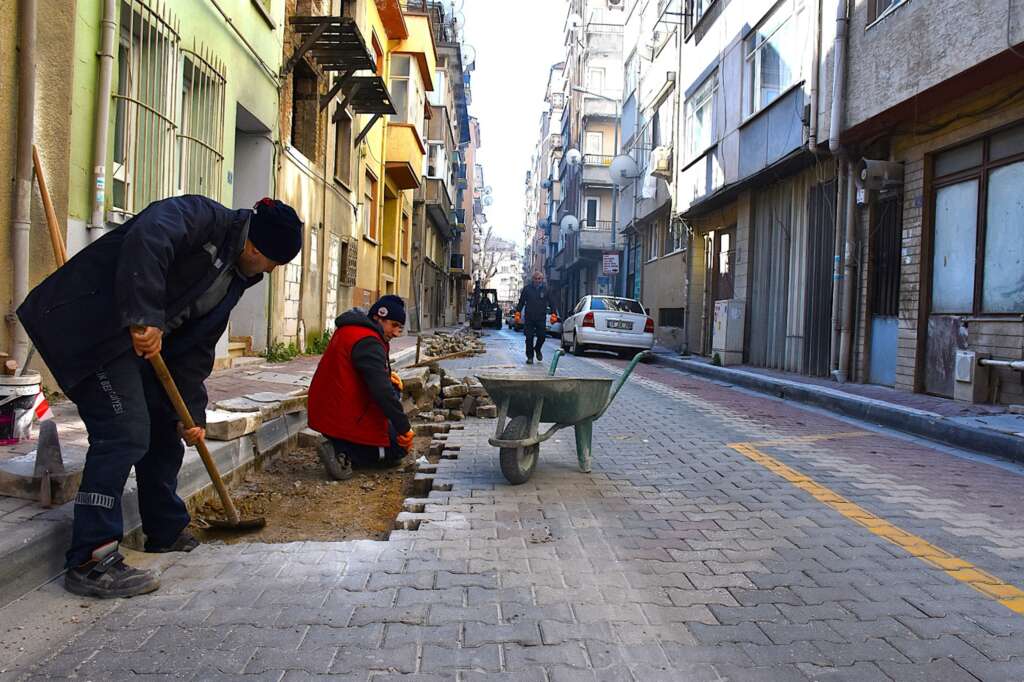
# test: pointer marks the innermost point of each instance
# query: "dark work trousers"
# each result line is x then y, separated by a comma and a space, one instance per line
536, 332
130, 423
370, 455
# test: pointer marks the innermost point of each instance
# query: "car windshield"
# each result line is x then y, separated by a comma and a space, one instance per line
617, 305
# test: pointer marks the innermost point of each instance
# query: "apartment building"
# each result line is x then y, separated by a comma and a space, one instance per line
437, 223
587, 211
656, 240
129, 102
935, 152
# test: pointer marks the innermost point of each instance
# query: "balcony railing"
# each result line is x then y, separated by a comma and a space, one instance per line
597, 159
596, 225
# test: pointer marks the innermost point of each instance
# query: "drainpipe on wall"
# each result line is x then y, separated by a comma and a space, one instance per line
812, 130
838, 78
108, 33
835, 126
849, 278
21, 220
837, 268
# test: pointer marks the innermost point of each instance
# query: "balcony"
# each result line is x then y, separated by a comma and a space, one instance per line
403, 156
595, 235
598, 107
595, 169
439, 205
457, 264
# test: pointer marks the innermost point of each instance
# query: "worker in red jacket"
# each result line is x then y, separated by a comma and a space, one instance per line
354, 399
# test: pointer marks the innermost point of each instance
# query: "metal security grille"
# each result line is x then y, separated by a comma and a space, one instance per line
201, 136
169, 107
144, 106
885, 247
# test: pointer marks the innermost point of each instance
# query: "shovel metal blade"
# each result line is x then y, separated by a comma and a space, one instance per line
254, 523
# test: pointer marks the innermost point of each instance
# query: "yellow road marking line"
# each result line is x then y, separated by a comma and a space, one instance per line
1010, 596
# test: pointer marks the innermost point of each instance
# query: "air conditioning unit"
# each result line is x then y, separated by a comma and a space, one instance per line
727, 336
661, 162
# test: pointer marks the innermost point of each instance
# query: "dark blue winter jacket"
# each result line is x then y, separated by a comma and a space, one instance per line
145, 272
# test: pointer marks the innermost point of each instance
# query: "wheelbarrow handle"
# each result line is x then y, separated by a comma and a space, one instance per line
621, 380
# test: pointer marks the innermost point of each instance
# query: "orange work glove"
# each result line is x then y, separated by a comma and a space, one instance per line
405, 440
519, 317
554, 318
397, 381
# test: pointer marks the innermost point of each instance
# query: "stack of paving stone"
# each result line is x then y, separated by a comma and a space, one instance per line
464, 340
434, 397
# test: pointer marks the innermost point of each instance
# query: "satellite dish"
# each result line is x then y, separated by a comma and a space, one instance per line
569, 223
623, 170
546, 184
573, 157
488, 200
487, 189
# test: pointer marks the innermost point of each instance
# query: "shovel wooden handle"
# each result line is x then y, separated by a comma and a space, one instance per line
164, 375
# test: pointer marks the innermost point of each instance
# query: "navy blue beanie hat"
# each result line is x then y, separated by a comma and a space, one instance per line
389, 307
275, 229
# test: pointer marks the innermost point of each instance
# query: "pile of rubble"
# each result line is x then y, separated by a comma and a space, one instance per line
464, 340
434, 397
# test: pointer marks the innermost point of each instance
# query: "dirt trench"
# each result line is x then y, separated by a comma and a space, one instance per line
300, 501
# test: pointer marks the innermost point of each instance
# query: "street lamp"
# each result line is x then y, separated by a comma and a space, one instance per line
615, 187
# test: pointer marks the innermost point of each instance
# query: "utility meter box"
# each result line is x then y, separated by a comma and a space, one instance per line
971, 380
727, 336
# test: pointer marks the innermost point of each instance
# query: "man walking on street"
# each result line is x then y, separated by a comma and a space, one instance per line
534, 302
355, 398
164, 282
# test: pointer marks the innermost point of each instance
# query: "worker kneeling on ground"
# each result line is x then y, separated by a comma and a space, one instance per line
164, 282
355, 398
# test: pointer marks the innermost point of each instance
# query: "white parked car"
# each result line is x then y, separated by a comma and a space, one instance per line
620, 325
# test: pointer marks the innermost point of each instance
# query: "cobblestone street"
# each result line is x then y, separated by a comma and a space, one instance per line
721, 536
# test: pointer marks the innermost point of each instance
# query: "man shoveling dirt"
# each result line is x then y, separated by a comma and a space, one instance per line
164, 281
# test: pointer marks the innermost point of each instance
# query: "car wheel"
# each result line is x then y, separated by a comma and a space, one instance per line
576, 349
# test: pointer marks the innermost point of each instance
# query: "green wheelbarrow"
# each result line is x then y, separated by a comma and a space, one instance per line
524, 402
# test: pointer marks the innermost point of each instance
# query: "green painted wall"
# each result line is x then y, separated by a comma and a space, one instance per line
200, 24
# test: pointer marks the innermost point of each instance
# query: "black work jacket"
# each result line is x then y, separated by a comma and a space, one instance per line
536, 301
145, 272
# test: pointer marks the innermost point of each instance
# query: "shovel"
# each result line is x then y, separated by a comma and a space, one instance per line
234, 521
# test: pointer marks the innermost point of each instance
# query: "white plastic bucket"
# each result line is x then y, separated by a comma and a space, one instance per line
17, 398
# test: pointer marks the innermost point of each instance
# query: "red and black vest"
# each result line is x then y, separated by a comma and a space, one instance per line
340, 405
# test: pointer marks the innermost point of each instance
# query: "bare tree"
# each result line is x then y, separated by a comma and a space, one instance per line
485, 256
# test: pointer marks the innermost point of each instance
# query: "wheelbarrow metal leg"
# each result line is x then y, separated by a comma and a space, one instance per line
584, 437
535, 419
502, 417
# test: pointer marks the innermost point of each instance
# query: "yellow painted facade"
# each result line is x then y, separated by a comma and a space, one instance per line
392, 153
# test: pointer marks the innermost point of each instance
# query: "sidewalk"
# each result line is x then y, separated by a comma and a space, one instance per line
33, 538
988, 429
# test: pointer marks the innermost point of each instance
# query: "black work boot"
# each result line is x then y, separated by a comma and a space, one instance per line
337, 464
540, 356
107, 576
529, 359
185, 542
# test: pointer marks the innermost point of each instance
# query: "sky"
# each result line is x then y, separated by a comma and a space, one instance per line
516, 42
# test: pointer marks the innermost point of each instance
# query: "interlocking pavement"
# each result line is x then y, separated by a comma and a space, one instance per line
721, 536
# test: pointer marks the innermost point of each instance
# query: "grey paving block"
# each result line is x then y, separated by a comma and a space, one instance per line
482, 658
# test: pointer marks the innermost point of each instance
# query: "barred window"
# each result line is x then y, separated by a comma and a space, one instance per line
144, 107
168, 134
201, 136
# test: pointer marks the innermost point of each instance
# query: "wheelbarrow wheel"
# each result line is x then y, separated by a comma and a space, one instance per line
518, 463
